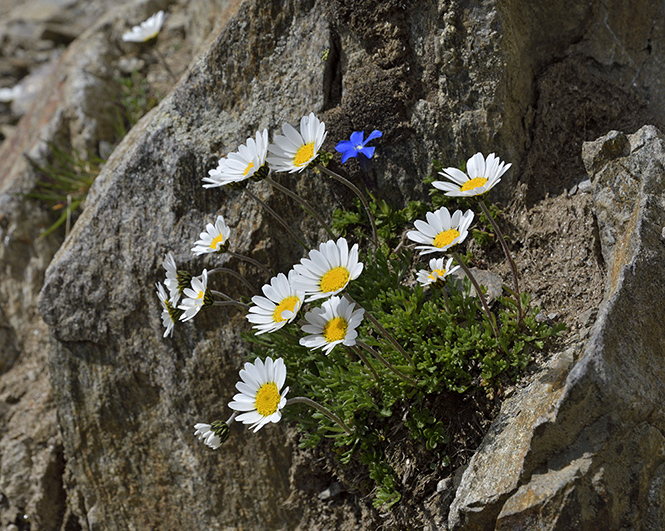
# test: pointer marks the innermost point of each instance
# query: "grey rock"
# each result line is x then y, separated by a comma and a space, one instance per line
585, 186
486, 279
565, 450
333, 490
596, 154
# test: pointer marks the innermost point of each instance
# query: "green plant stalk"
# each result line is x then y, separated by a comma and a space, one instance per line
234, 274
308, 208
383, 331
364, 359
250, 261
358, 193
479, 291
386, 363
237, 304
321, 409
274, 214
446, 302
506, 251
162, 59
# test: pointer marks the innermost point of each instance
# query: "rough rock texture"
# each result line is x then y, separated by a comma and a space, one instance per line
442, 80
68, 112
582, 446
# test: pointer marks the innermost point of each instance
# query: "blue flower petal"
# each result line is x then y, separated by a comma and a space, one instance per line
344, 145
374, 134
349, 154
357, 137
368, 152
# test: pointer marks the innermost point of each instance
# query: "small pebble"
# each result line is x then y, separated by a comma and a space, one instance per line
333, 490
443, 485
585, 186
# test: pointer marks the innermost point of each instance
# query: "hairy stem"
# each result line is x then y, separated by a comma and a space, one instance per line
274, 214
386, 363
358, 193
308, 208
479, 291
504, 246
321, 409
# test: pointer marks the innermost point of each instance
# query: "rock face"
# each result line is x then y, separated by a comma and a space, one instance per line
582, 449
582, 446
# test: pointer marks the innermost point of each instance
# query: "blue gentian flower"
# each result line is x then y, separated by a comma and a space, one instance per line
357, 146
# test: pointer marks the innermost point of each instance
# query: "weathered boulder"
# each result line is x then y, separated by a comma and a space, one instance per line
582, 446
441, 80
71, 111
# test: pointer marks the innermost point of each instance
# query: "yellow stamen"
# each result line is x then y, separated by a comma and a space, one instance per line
335, 329
287, 304
445, 238
200, 295
216, 241
304, 154
472, 184
267, 399
440, 272
334, 280
249, 167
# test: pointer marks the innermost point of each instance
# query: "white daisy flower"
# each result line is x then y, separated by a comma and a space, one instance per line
335, 322
8, 94
147, 30
215, 239
170, 312
481, 176
328, 270
247, 162
441, 231
195, 297
171, 281
279, 308
293, 151
260, 400
208, 434
437, 271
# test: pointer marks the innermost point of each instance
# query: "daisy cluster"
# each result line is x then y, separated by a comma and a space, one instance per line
320, 277
337, 332
350, 349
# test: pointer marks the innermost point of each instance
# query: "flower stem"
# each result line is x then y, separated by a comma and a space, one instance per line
386, 363
250, 261
358, 193
504, 246
234, 274
162, 59
276, 216
364, 359
446, 301
308, 208
229, 303
383, 331
321, 409
479, 291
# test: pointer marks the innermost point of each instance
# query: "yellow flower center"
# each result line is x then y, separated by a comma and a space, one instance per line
440, 272
472, 184
267, 399
216, 241
289, 303
335, 329
334, 280
200, 295
249, 167
445, 238
304, 154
